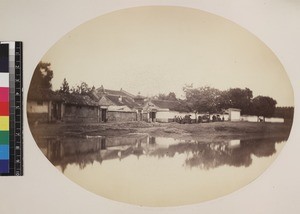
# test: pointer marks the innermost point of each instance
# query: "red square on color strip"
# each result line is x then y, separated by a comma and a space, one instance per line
4, 109
4, 94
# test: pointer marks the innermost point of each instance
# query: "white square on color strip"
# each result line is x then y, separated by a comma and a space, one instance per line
4, 79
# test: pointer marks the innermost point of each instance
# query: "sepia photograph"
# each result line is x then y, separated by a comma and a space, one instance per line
160, 106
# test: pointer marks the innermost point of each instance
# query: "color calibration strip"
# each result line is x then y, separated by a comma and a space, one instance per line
11, 136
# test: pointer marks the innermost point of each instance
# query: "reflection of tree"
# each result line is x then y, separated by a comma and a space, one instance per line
212, 155
240, 156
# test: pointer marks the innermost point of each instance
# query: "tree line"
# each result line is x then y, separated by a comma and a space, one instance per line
211, 100
200, 100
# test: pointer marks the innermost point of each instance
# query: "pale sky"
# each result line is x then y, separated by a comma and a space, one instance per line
160, 49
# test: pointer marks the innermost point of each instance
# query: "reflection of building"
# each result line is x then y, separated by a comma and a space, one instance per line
62, 152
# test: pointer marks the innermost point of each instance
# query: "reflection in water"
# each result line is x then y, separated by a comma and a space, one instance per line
82, 152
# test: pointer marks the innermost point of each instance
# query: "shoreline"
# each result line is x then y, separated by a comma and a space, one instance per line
208, 132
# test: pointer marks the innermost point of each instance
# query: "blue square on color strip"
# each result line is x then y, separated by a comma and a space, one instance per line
4, 166
4, 152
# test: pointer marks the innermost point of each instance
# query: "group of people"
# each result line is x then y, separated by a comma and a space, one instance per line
185, 119
201, 119
217, 118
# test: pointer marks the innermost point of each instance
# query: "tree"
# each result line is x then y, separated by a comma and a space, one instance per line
42, 77
284, 112
203, 99
263, 106
65, 88
236, 98
83, 88
171, 96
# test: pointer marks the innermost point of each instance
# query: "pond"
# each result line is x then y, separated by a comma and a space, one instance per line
157, 171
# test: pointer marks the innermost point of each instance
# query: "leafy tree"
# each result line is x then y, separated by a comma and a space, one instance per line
42, 77
202, 99
83, 88
65, 88
284, 112
264, 106
236, 98
171, 96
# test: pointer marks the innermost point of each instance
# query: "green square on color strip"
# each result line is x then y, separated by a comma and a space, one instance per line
4, 137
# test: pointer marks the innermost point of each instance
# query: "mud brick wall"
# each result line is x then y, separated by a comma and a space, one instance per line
121, 116
80, 114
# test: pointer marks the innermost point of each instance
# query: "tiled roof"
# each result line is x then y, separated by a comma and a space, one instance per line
101, 91
121, 101
78, 99
95, 98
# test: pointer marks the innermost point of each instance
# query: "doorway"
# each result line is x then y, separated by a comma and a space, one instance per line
103, 115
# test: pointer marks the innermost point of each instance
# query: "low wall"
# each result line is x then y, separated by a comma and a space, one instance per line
274, 120
76, 114
249, 118
79, 119
34, 107
121, 116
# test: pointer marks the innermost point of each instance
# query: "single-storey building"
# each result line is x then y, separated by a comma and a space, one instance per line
78, 108
49, 106
43, 106
163, 111
234, 114
100, 105
120, 105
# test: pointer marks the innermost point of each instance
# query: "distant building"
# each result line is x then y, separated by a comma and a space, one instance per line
117, 105
102, 105
164, 110
42, 106
49, 106
234, 114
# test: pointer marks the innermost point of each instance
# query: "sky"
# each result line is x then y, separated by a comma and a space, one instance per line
158, 49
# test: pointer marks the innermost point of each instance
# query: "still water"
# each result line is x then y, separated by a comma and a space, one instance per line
156, 171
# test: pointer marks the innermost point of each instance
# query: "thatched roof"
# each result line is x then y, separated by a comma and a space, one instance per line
121, 101
78, 99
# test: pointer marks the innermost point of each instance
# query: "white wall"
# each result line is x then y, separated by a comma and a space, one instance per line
274, 120
235, 115
33, 107
249, 118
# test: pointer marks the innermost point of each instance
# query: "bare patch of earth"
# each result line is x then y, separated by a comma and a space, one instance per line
216, 131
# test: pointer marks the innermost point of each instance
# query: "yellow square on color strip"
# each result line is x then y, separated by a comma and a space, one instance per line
4, 123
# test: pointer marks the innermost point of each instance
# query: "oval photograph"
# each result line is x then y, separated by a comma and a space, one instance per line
160, 106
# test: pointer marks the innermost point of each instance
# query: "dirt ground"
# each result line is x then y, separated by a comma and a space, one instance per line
202, 131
